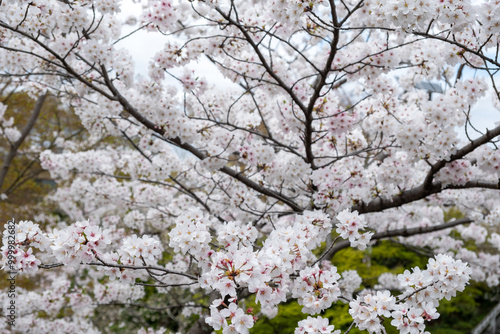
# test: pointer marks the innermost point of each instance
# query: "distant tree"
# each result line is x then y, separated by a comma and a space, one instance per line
29, 127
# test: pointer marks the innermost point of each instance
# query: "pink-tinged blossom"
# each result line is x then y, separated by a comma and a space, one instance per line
316, 289
349, 226
316, 325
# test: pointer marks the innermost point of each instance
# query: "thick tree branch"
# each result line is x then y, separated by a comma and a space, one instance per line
428, 187
489, 135
319, 84
415, 194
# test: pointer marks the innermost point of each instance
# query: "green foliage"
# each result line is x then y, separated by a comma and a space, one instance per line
451, 213
463, 312
284, 323
396, 256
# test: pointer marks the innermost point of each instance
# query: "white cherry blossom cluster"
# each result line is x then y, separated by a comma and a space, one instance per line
230, 318
410, 319
7, 128
15, 252
27, 235
137, 250
349, 226
422, 290
191, 234
316, 325
316, 289
234, 233
230, 271
494, 239
388, 281
296, 137
474, 231
350, 282
78, 243
458, 172
291, 245
159, 13
446, 275
366, 310
268, 275
414, 14
488, 159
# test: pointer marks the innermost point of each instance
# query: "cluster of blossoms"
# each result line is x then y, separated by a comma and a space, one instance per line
414, 14
230, 318
27, 234
443, 277
191, 234
231, 271
494, 239
234, 233
7, 128
410, 319
365, 142
349, 225
266, 272
293, 244
457, 172
341, 122
366, 310
160, 13
316, 289
316, 325
474, 231
137, 250
80, 242
349, 283
422, 291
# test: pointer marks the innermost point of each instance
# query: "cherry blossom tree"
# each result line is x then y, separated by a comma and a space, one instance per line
343, 123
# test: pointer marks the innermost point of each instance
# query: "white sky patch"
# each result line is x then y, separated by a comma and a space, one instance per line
484, 115
143, 45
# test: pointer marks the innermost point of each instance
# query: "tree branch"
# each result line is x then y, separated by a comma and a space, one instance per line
415, 194
188, 147
403, 232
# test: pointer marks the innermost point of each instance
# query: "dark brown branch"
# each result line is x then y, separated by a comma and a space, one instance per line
403, 232
489, 135
319, 84
415, 194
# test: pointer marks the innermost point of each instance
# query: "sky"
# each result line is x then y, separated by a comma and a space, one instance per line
144, 45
